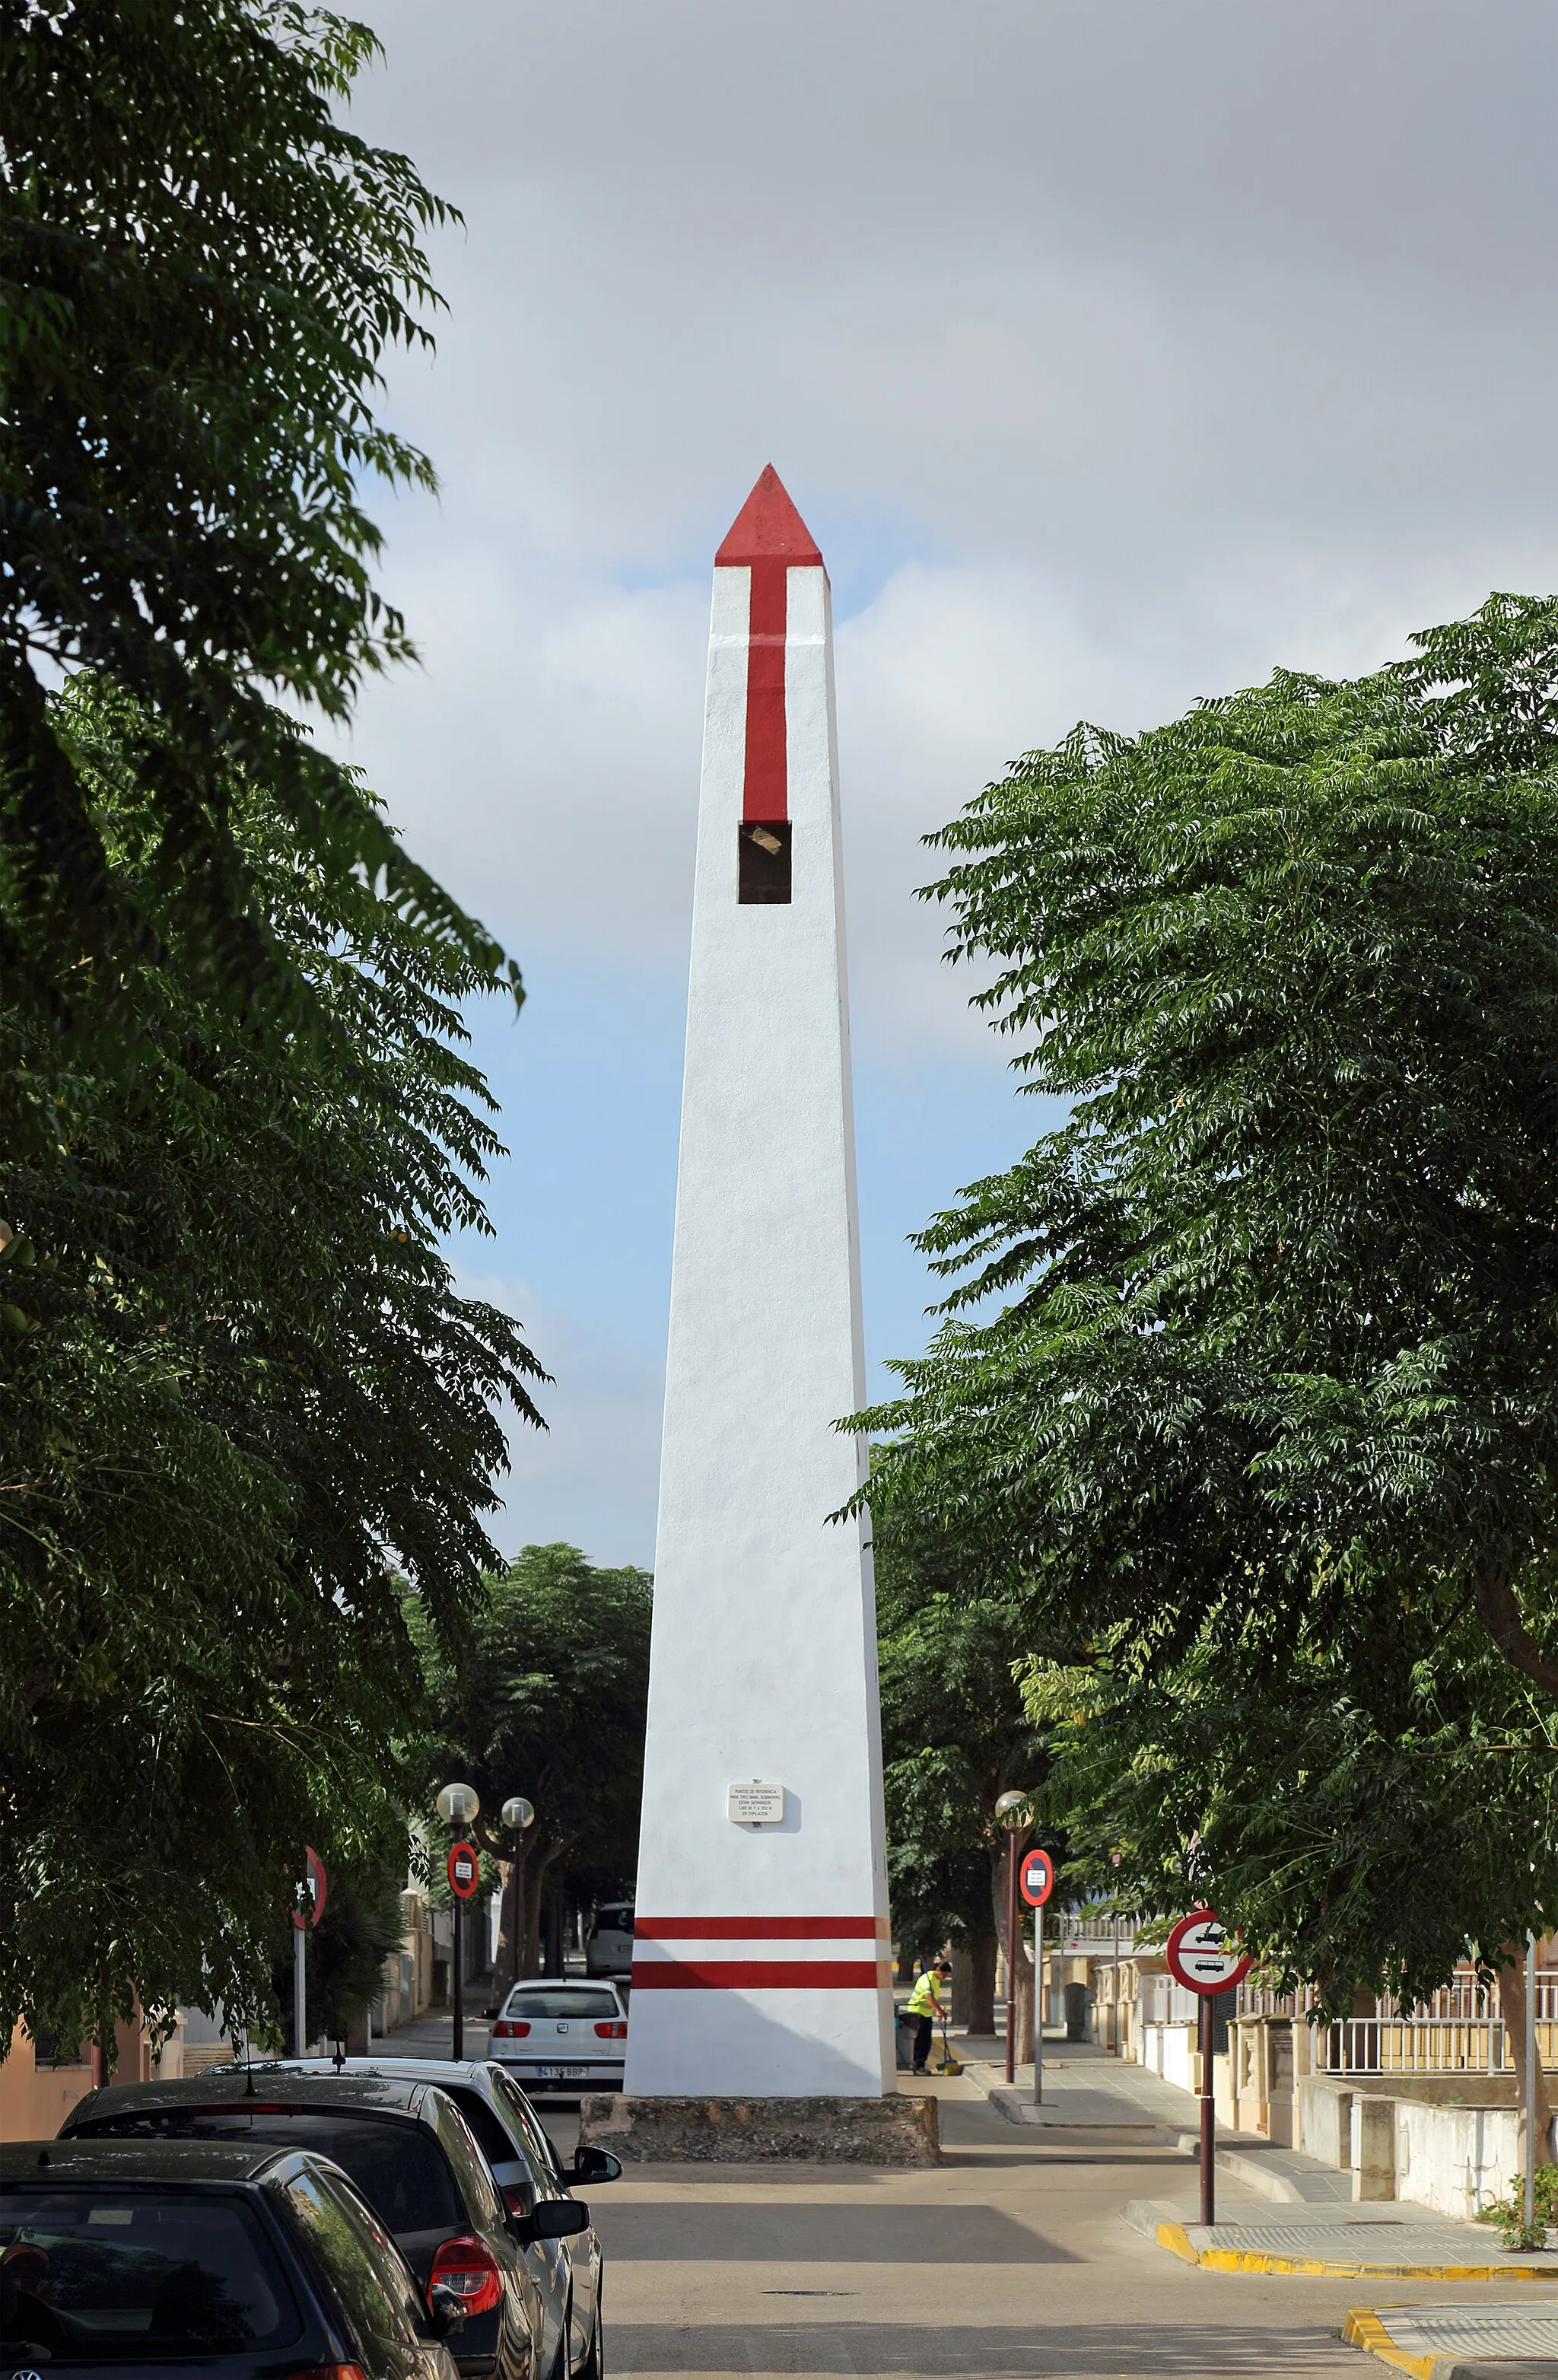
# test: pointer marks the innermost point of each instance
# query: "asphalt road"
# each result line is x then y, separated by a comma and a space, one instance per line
1009, 2259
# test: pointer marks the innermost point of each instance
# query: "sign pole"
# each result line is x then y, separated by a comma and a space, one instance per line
1208, 2119
304, 1918
1013, 1953
1530, 2083
1200, 1955
1036, 1881
1039, 2006
518, 1918
457, 1961
464, 1869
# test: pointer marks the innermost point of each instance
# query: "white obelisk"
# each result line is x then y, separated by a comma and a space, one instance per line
760, 1958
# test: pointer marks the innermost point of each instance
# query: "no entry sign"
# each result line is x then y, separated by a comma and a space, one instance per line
464, 1869
1036, 1877
1202, 1957
319, 1887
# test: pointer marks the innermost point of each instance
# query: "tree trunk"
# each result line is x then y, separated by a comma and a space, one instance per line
974, 1985
1511, 2000
504, 1970
536, 1874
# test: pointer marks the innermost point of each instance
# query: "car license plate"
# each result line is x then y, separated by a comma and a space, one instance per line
563, 2071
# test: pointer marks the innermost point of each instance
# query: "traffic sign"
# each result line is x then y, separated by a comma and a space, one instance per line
464, 1869
1202, 1957
1036, 1877
318, 1891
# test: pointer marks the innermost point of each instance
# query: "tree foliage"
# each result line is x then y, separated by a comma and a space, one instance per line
363, 1924
955, 1736
235, 1381
549, 1700
201, 271
1249, 1374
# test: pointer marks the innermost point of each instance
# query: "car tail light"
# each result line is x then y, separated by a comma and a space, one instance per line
615, 2030
331, 2372
511, 2028
469, 2268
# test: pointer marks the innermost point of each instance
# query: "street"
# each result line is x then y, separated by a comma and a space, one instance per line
1010, 2257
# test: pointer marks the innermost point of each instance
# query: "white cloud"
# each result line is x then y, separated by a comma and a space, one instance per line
590, 1478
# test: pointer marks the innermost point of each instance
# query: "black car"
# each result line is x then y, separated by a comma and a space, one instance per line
247, 2262
528, 2172
411, 2154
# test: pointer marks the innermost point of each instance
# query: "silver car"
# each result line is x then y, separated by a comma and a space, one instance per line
559, 2038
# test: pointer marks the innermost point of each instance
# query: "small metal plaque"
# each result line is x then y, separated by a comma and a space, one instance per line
755, 1804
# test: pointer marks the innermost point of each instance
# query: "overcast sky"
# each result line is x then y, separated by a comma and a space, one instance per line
1114, 354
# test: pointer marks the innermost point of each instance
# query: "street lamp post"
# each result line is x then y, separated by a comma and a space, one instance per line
518, 1814
457, 1805
1009, 1809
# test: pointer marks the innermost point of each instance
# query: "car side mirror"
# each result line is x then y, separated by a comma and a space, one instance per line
555, 2218
519, 2197
447, 2309
591, 2164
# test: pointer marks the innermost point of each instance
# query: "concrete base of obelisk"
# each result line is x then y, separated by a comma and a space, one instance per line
897, 2129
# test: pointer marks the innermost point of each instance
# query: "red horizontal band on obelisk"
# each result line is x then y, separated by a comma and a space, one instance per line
704, 1974
754, 1929
768, 537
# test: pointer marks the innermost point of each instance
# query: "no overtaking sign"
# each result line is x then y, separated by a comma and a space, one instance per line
1202, 1957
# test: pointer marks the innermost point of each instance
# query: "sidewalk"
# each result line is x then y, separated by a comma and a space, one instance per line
1496, 2341
1084, 2089
1385, 2239
1280, 2211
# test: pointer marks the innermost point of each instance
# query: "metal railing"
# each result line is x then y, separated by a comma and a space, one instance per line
1160, 2000
1375, 2044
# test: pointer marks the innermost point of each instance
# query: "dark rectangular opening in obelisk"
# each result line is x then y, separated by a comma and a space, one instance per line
764, 861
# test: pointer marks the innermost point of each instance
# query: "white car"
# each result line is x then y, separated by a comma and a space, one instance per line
559, 2038
608, 1951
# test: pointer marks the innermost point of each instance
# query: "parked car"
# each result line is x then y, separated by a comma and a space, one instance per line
528, 2172
206, 2257
411, 2154
560, 2038
609, 1944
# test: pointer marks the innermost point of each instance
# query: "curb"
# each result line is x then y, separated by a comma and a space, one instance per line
1364, 2329
1173, 2237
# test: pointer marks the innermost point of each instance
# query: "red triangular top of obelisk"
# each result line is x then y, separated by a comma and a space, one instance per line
767, 528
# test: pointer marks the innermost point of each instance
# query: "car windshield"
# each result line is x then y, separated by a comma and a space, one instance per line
109, 2272
562, 1999
397, 2164
615, 1920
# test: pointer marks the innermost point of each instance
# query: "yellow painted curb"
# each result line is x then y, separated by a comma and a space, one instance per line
1173, 2237
1363, 2328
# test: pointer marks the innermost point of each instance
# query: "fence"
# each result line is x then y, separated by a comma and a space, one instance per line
1420, 2044
1458, 2030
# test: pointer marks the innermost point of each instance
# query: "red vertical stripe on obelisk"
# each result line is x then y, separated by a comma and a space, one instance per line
765, 795
768, 537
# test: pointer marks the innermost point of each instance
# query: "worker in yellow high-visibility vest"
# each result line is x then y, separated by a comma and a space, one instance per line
926, 2002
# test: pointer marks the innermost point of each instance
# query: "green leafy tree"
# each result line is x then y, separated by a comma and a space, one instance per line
955, 1736
363, 1924
548, 1701
236, 1381
1249, 1377
201, 271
